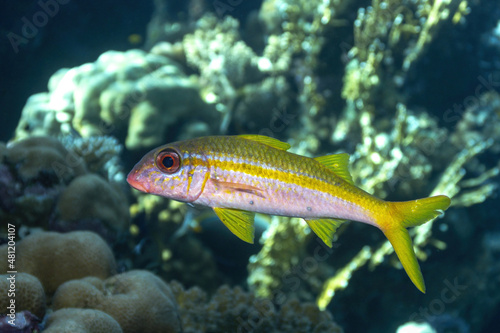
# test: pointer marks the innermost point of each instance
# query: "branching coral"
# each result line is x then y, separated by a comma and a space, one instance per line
389, 38
230, 72
398, 152
477, 133
267, 268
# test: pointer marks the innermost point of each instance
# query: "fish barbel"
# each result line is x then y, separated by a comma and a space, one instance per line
239, 176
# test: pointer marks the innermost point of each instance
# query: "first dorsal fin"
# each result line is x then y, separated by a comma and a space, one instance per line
272, 142
338, 163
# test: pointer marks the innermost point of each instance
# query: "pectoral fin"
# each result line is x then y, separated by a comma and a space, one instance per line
325, 228
236, 187
239, 222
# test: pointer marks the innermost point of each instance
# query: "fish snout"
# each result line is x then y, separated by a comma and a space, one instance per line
135, 180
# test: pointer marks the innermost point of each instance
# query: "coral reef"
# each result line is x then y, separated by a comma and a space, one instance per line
271, 264
233, 310
98, 200
170, 255
25, 322
132, 95
384, 53
49, 186
451, 182
326, 75
100, 154
138, 300
30, 295
398, 157
81, 321
55, 258
86, 301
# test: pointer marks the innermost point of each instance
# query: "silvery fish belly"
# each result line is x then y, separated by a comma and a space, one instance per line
239, 176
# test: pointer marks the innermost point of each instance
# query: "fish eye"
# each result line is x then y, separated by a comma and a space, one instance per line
168, 161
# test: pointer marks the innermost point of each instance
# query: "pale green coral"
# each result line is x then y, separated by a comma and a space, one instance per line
231, 73
133, 95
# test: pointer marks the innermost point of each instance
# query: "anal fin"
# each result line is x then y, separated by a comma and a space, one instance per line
325, 228
239, 222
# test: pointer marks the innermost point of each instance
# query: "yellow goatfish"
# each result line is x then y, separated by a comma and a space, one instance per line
239, 176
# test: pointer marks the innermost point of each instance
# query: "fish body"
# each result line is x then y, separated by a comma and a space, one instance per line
241, 175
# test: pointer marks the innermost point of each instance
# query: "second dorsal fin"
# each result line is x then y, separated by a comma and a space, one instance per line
272, 142
339, 164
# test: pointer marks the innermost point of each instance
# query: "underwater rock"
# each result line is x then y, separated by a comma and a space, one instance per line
29, 293
81, 321
270, 94
132, 95
234, 310
138, 300
190, 261
55, 258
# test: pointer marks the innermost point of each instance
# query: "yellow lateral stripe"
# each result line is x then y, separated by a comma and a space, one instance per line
255, 170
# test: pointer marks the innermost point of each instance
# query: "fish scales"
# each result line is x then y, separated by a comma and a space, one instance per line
293, 185
241, 175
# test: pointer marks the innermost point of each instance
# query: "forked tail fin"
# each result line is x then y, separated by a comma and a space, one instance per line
411, 214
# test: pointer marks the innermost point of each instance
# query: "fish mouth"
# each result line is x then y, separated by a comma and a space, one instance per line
133, 180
